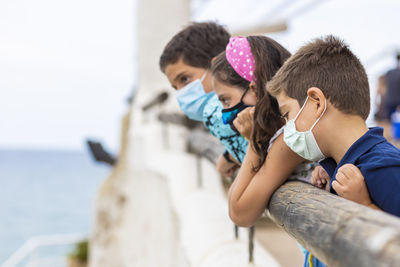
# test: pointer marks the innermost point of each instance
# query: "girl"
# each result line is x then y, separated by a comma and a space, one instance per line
236, 92
239, 77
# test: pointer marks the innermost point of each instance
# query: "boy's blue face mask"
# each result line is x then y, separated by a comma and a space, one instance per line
192, 99
230, 114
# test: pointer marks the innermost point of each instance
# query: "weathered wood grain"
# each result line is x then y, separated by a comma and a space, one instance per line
179, 119
335, 230
203, 144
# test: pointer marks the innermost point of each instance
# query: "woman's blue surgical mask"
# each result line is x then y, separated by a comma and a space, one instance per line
303, 143
192, 99
230, 114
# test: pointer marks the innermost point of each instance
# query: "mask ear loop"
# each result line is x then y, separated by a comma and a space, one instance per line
204, 76
295, 118
238, 104
312, 127
245, 92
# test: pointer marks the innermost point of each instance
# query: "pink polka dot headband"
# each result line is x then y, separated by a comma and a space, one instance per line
238, 53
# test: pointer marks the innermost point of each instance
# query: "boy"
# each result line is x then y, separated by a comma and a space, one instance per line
185, 61
323, 93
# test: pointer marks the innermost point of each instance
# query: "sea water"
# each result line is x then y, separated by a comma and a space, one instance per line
45, 193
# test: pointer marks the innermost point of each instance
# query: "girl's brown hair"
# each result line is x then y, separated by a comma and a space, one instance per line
269, 56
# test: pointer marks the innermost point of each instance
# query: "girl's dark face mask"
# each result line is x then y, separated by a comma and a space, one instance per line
230, 114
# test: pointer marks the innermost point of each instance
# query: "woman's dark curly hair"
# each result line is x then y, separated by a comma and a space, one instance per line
269, 56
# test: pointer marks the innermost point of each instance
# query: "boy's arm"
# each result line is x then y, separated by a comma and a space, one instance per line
350, 184
250, 193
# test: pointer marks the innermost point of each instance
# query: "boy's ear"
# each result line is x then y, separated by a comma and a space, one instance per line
316, 96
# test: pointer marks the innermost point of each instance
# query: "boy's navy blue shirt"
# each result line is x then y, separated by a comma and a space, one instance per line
379, 162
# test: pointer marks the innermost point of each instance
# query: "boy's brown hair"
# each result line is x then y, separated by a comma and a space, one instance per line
196, 45
328, 64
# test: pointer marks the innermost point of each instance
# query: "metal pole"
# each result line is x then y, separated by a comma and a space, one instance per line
235, 228
251, 244
199, 172
165, 135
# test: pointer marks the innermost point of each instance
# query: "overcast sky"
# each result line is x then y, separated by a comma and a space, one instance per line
66, 67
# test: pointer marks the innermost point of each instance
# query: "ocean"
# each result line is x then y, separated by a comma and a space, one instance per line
45, 193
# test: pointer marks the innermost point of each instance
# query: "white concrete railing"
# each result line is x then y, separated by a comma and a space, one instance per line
165, 218
206, 231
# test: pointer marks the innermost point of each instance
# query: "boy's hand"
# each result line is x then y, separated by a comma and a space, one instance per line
350, 185
320, 178
244, 122
225, 168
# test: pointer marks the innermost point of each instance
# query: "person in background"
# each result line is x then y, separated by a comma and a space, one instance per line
388, 98
380, 98
392, 84
392, 103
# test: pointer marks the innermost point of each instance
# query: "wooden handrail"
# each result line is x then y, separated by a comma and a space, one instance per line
337, 231
179, 119
205, 145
